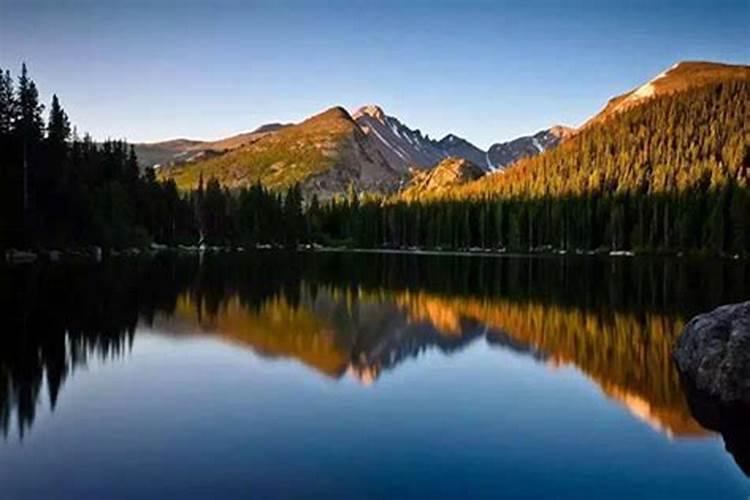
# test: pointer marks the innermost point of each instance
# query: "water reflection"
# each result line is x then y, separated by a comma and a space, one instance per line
364, 333
363, 315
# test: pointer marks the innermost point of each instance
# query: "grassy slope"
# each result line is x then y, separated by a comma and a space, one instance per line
291, 155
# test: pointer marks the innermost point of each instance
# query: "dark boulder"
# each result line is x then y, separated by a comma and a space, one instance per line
713, 357
713, 353
731, 420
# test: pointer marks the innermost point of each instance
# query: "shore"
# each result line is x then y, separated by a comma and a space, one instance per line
95, 253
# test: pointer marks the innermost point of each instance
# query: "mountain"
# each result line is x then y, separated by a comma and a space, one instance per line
185, 150
501, 155
155, 153
660, 123
379, 151
330, 152
671, 173
678, 78
326, 154
404, 148
458, 147
446, 175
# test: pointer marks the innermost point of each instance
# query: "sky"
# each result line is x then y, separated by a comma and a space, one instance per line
488, 71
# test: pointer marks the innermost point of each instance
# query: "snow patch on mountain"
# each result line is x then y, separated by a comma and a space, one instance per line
490, 166
388, 144
404, 148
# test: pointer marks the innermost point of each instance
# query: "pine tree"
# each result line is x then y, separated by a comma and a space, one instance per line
7, 103
28, 130
28, 120
58, 126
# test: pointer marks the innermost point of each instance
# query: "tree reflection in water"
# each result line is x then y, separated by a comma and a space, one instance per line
614, 319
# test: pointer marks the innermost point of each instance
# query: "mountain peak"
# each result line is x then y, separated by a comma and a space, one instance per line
677, 78
331, 114
371, 110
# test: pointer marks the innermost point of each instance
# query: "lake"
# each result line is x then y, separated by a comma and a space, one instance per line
288, 375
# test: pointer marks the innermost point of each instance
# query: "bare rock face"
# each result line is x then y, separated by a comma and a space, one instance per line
503, 154
713, 353
446, 175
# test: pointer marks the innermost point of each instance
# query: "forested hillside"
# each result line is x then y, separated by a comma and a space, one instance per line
671, 174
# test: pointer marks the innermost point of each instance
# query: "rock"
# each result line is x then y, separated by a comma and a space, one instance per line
732, 421
713, 353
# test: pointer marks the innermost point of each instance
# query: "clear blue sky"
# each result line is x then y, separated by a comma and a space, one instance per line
487, 71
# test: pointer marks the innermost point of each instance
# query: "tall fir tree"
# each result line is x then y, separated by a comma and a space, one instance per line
58, 125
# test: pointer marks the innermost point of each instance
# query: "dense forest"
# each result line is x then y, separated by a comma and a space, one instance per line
63, 191
669, 175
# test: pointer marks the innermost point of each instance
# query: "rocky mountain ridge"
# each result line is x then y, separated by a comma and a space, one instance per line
381, 154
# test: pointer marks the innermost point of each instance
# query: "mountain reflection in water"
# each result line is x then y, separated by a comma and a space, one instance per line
363, 315
360, 333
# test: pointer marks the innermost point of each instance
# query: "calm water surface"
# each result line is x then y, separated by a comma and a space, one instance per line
356, 376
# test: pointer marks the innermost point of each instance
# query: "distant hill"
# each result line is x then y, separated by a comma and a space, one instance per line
446, 175
503, 154
458, 147
185, 150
